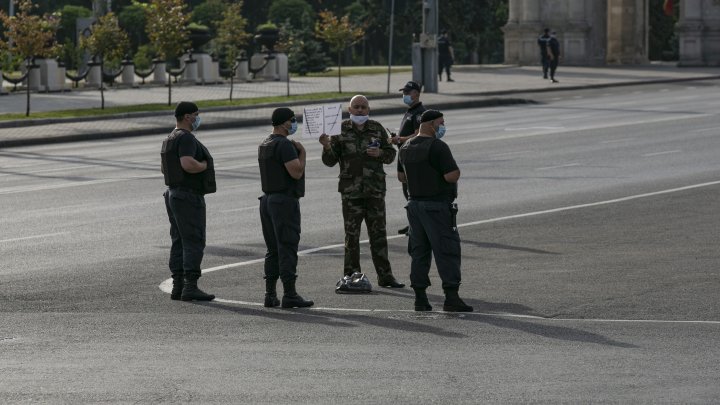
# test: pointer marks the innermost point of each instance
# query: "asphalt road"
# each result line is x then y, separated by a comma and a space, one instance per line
589, 233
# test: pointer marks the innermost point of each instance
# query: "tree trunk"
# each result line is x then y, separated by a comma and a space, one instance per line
27, 89
339, 72
231, 84
102, 84
27, 101
169, 88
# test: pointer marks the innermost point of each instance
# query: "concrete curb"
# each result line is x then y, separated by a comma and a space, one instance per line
240, 122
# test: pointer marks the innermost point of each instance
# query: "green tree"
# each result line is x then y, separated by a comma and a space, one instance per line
28, 35
340, 34
133, 20
166, 28
106, 41
289, 11
68, 22
232, 36
209, 14
305, 53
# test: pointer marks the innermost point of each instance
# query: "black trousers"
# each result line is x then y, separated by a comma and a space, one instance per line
444, 62
280, 217
186, 212
431, 233
553, 67
545, 65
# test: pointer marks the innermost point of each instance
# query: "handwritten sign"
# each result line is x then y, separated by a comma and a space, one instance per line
322, 119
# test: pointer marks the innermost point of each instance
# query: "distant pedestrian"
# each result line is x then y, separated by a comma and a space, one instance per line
282, 176
430, 171
189, 174
446, 55
544, 55
410, 124
553, 54
362, 148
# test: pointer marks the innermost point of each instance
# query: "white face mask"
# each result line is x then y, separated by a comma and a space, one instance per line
359, 119
196, 123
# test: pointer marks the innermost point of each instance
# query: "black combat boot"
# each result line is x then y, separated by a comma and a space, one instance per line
389, 281
271, 299
453, 303
191, 292
291, 299
421, 300
178, 284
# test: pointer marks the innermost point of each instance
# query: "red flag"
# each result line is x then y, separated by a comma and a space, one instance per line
668, 7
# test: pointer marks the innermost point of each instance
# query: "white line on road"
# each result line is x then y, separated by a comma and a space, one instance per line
241, 209
166, 286
707, 130
531, 128
557, 167
667, 152
46, 235
617, 140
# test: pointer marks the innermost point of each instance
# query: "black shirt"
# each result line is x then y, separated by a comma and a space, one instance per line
411, 120
443, 45
442, 160
188, 146
287, 152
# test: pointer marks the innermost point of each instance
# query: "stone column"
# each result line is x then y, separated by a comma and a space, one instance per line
159, 74
575, 34
627, 32
689, 29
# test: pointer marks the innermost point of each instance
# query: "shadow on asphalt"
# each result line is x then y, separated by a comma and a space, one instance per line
333, 319
548, 331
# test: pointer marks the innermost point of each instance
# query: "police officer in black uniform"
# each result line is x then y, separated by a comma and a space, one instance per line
189, 174
542, 42
410, 124
445, 55
429, 169
282, 174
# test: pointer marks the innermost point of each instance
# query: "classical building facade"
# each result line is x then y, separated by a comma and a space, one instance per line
599, 32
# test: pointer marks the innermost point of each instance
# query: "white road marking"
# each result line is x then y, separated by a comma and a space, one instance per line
531, 128
707, 130
667, 152
617, 140
166, 286
506, 154
557, 167
241, 209
46, 235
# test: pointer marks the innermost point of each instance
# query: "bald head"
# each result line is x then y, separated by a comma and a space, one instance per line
359, 105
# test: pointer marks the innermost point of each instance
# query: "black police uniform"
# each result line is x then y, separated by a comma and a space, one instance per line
425, 160
554, 47
408, 126
280, 208
445, 59
544, 59
185, 201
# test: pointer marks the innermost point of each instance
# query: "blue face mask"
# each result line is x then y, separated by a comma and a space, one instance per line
440, 132
407, 99
293, 128
196, 123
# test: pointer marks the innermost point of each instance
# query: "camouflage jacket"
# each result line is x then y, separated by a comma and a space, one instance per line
360, 176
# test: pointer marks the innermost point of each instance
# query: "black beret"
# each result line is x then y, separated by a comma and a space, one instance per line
280, 115
411, 86
430, 115
185, 107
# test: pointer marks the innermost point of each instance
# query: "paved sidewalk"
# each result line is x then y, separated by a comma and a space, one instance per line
474, 86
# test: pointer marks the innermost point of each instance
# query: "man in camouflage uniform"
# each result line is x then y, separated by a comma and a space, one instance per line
362, 148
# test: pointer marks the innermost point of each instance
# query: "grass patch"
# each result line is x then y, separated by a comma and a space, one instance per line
361, 70
108, 111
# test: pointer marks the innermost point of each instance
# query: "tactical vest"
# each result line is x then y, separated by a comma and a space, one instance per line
274, 177
422, 179
175, 176
170, 159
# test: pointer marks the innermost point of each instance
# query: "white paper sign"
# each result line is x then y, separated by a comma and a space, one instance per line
322, 119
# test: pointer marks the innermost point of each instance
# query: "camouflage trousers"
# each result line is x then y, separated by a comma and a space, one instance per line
372, 210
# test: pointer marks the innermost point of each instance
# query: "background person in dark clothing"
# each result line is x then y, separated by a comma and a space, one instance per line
189, 174
446, 55
429, 169
410, 124
544, 56
553, 55
282, 174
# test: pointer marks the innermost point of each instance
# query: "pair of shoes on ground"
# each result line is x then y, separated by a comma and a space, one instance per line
390, 282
